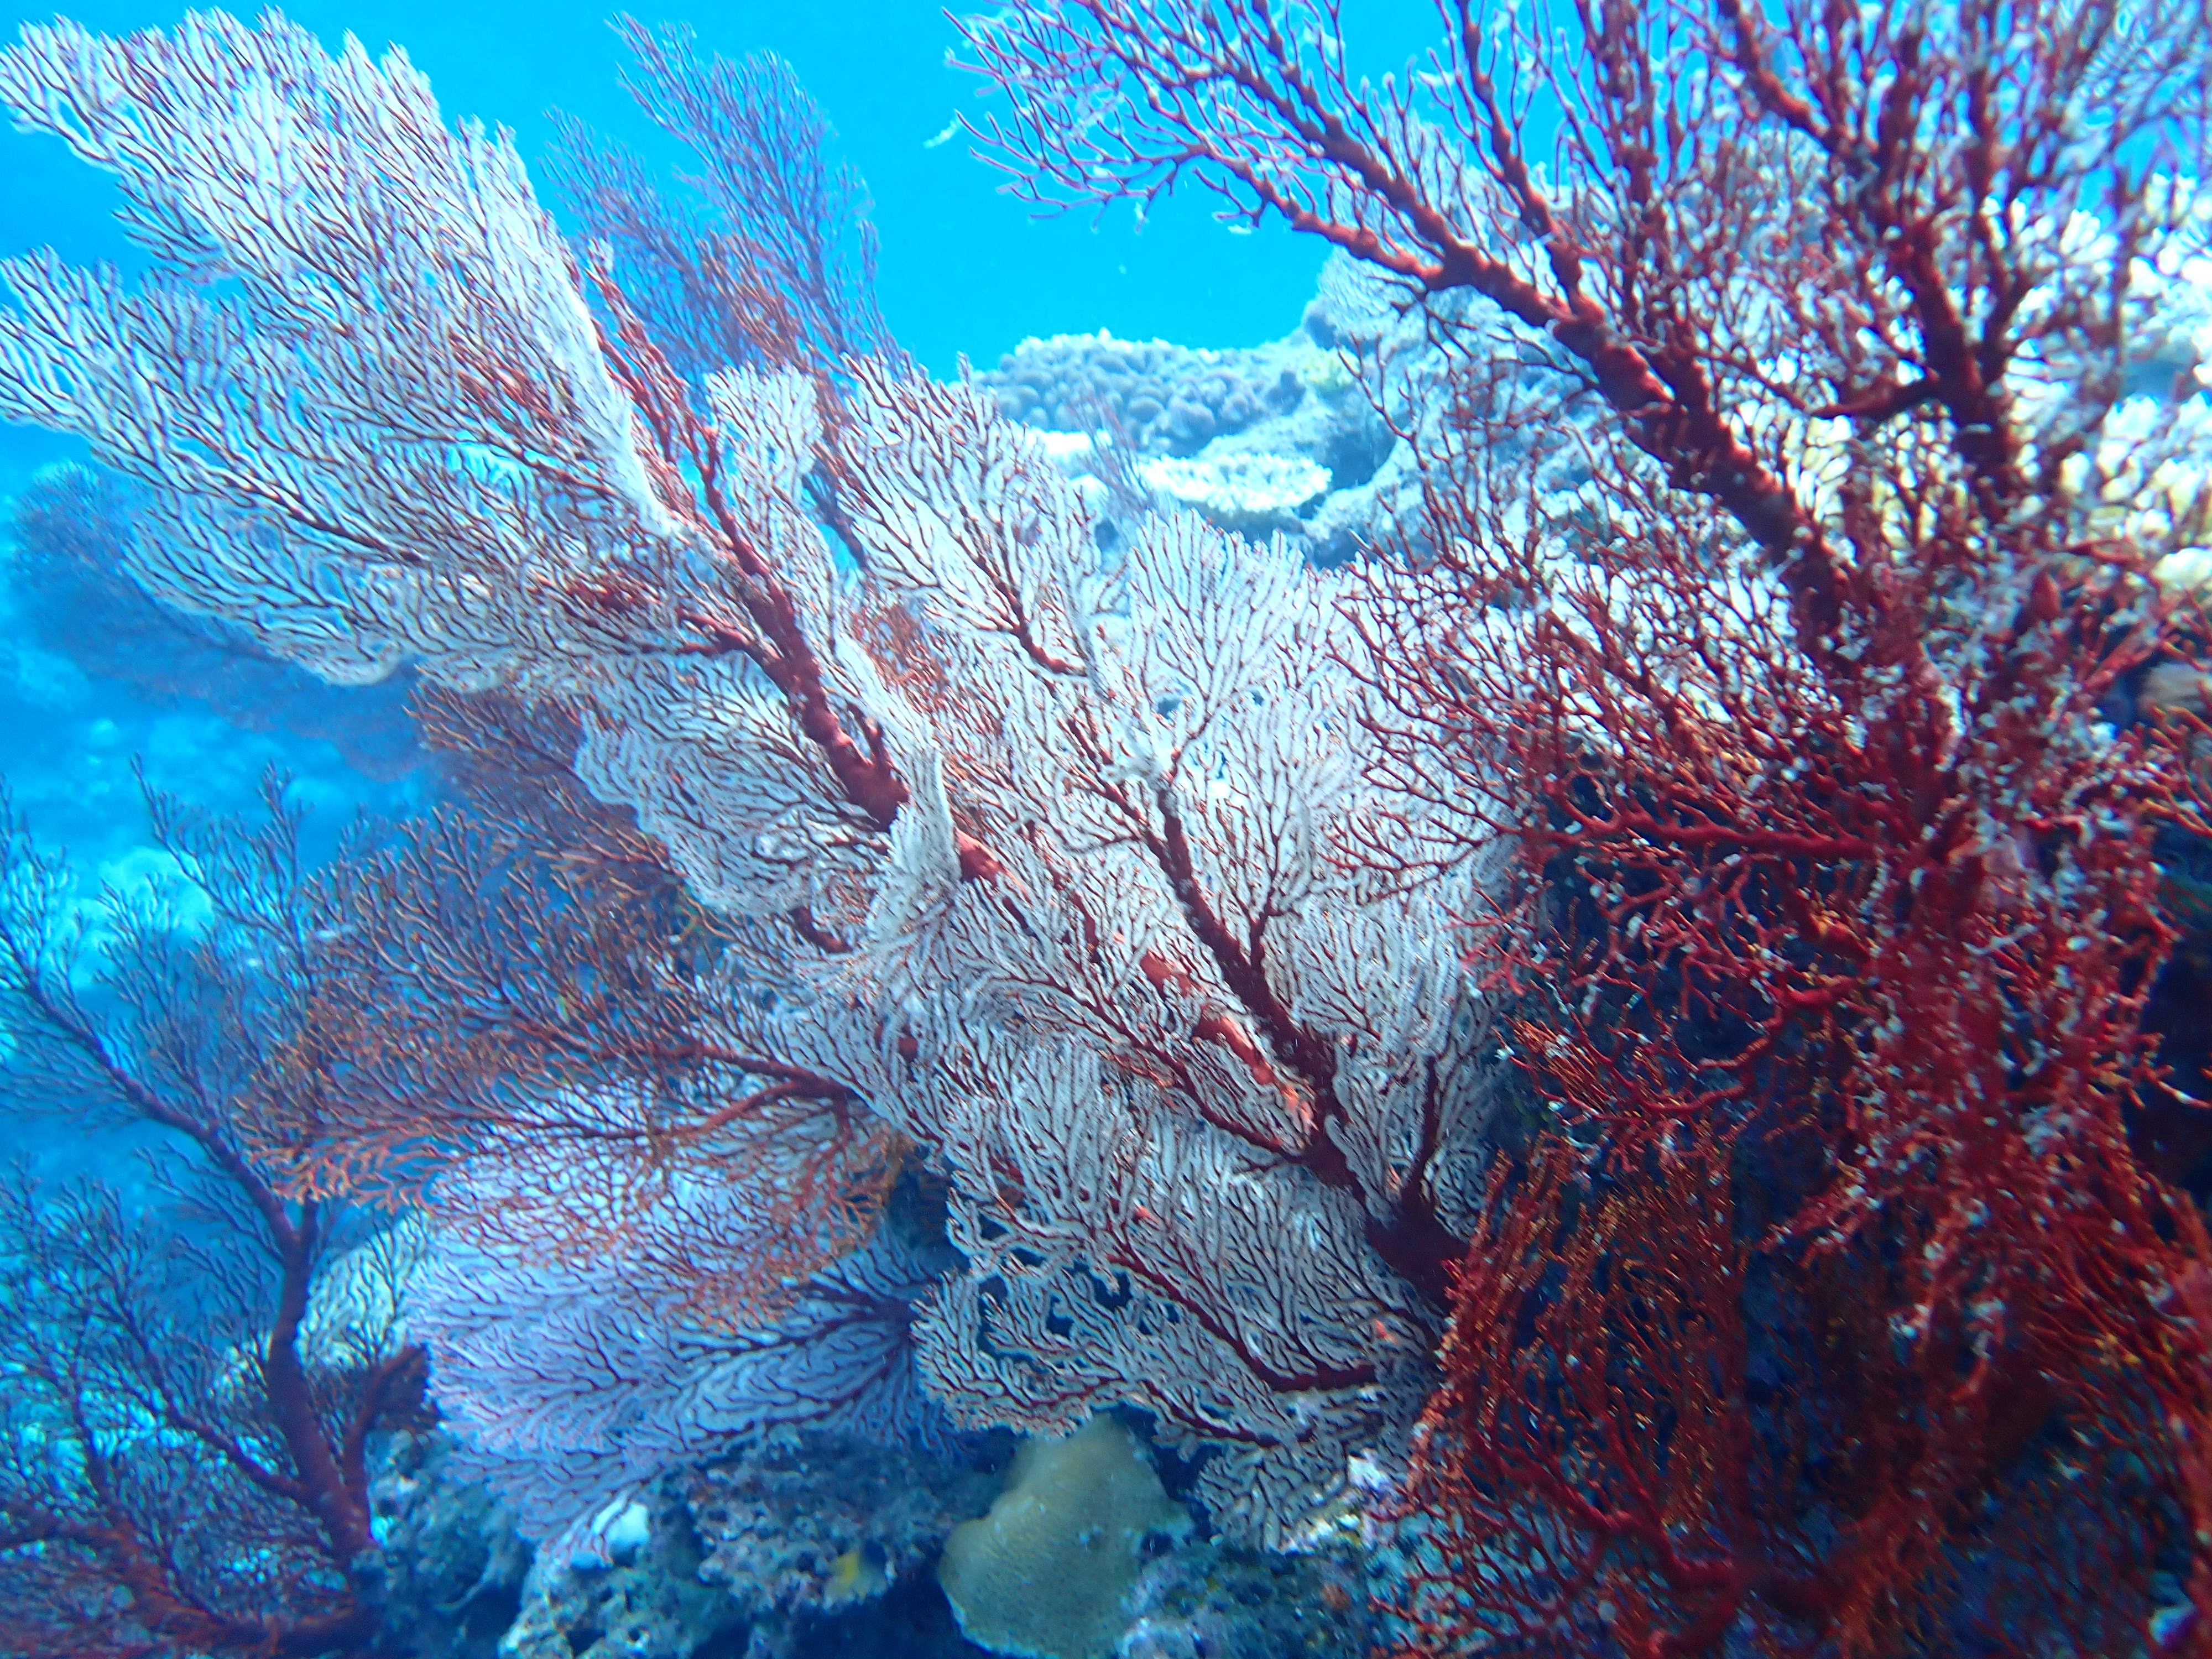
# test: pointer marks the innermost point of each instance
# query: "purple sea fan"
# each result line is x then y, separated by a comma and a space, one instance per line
574, 1385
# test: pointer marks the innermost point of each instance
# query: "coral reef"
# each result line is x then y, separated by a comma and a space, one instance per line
1168, 399
1280, 439
1207, 1600
1606, 970
779, 1550
1788, 544
1252, 492
1061, 872
1046, 1573
805, 1547
453, 1563
806, 1528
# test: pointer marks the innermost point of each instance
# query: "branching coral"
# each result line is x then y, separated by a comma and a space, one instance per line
1794, 651
1742, 704
185, 1416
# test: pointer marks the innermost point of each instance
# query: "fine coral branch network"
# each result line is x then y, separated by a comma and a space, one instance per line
1577, 977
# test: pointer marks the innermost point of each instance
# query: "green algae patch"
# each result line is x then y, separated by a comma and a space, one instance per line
1044, 1575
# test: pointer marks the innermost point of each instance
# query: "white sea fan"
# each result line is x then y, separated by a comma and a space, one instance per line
1065, 864
572, 1387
